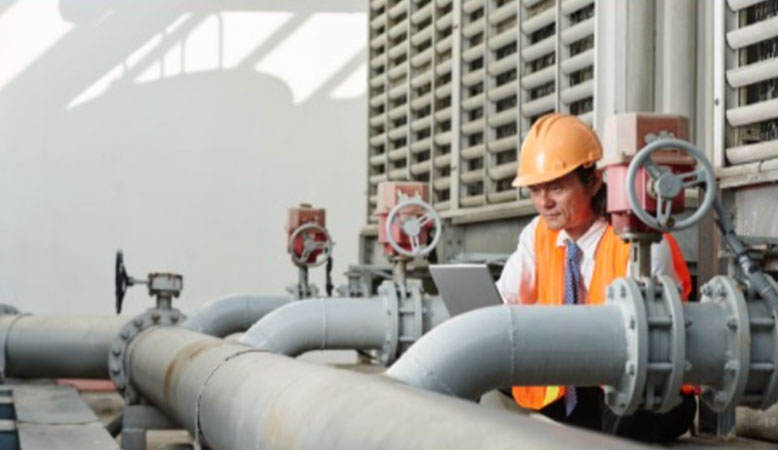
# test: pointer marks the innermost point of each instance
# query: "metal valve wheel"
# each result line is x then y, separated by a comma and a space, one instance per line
412, 227
121, 281
668, 185
308, 232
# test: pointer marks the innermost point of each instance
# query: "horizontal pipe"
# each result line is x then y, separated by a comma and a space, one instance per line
254, 399
59, 346
706, 342
335, 324
322, 323
502, 346
233, 313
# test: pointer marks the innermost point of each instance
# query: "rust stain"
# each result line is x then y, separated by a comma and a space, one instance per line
181, 360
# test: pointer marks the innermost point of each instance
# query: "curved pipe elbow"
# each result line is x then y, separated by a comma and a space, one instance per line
321, 324
233, 313
501, 346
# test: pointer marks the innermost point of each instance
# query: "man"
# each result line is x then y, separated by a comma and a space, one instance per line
567, 256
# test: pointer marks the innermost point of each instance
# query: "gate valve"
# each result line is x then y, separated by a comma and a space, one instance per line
413, 228
310, 245
667, 185
163, 286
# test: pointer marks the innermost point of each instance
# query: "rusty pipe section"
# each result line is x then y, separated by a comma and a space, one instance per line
233, 313
236, 397
502, 346
58, 346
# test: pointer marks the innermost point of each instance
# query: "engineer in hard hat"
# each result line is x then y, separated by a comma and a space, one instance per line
568, 255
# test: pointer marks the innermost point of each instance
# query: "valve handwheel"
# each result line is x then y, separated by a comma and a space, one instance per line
412, 227
668, 185
121, 280
310, 244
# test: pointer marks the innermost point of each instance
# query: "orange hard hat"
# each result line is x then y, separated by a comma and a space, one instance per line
556, 145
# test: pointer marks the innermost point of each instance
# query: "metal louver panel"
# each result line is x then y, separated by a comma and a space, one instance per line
753, 73
751, 90
455, 84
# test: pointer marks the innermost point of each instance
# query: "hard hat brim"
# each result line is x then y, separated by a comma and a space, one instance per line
543, 177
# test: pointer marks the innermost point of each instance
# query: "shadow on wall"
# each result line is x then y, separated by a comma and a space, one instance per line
180, 131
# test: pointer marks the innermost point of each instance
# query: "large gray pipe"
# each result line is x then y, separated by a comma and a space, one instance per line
502, 346
505, 346
332, 324
252, 399
58, 346
315, 324
233, 313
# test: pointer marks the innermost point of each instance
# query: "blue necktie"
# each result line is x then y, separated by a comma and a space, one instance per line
573, 285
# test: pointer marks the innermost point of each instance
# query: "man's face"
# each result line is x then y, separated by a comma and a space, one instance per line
565, 203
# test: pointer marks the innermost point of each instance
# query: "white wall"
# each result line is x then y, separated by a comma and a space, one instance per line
179, 131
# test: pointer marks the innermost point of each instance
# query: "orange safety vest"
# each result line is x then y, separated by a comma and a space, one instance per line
610, 262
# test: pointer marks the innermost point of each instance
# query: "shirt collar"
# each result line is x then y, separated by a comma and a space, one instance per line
587, 242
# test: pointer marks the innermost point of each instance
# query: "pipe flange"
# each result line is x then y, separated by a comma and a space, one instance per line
117, 368
762, 388
388, 291
726, 293
770, 395
625, 397
411, 316
667, 344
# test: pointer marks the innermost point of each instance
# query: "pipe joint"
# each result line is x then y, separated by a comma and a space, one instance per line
723, 291
405, 318
656, 342
117, 367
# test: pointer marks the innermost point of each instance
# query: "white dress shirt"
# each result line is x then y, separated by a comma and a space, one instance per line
517, 284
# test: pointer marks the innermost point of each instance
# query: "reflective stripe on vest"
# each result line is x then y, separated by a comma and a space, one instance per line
610, 262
